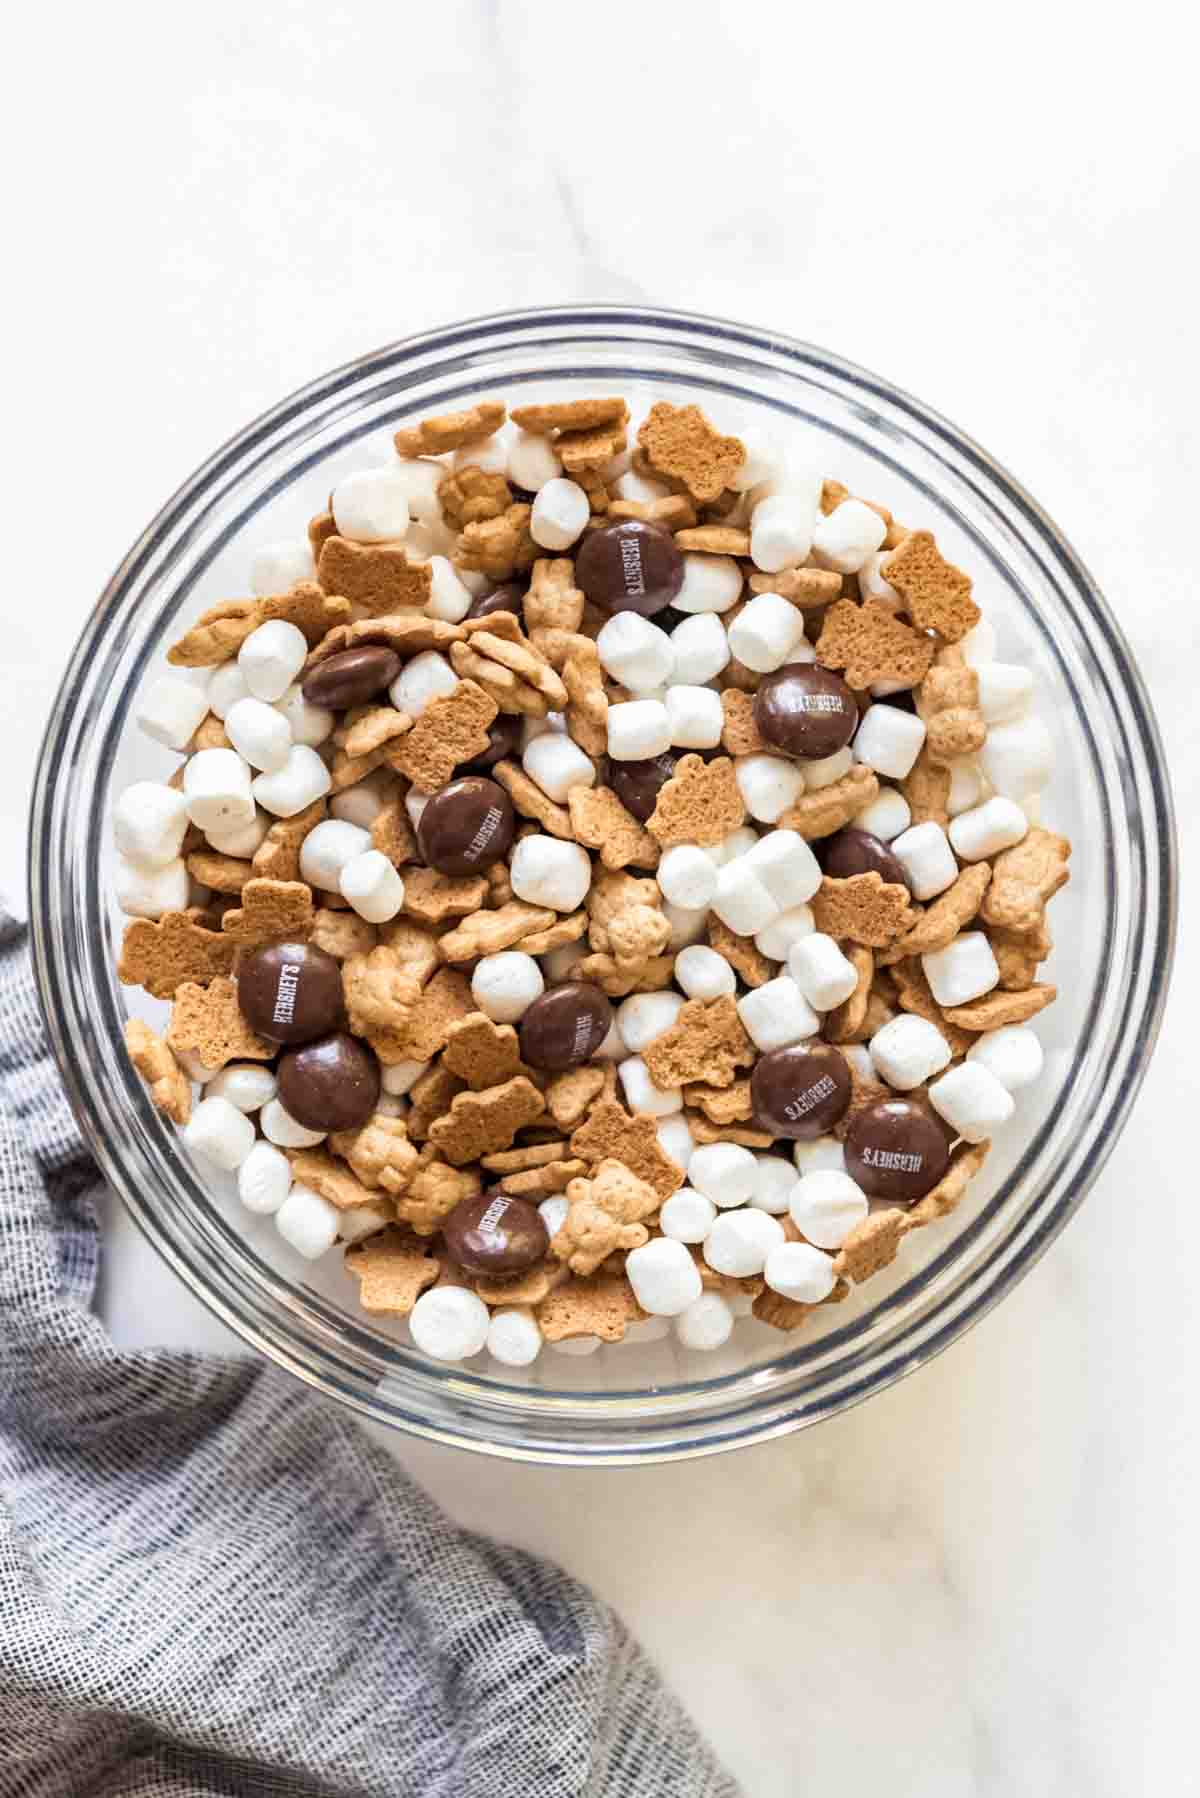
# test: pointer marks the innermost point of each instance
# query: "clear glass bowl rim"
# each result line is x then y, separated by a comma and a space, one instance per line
451, 1406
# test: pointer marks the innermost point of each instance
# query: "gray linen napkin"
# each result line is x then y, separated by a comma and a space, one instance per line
211, 1582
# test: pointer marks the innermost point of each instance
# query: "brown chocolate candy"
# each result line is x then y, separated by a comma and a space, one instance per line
504, 742
290, 992
351, 677
851, 851
466, 826
509, 598
630, 567
495, 1234
896, 1151
800, 1092
330, 1084
638, 784
805, 710
565, 1026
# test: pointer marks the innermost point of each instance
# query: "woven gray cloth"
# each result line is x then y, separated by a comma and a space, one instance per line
211, 1582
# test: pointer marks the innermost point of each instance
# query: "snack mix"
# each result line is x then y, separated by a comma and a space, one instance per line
603, 892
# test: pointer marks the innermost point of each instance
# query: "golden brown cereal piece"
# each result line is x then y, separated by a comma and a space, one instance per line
845, 1023
1024, 879
699, 804
569, 1094
870, 645
333, 1179
870, 1246
525, 1290
942, 921
348, 770
722, 1105
529, 1155
585, 452
782, 1314
739, 951
471, 495
650, 976
674, 513
913, 994
744, 1135
278, 855
270, 909
392, 833
308, 607
707, 1042
1019, 955
179, 947
612, 893
712, 1281
603, 1306
449, 430
610, 1132
416, 948
679, 443
478, 1124
206, 1021
806, 588
216, 635
530, 801
553, 601
714, 540
453, 728
425, 1031
500, 638
379, 1153
927, 790
600, 821
587, 701
488, 932
320, 529
433, 1192
380, 993
819, 814
569, 415
948, 701
408, 633
740, 735
170, 1088
965, 1163
483, 1053
605, 1214
832, 495
863, 909
997, 1008
498, 547
936, 595
368, 728
378, 576
223, 873
430, 1096
637, 936
392, 1272
431, 897
543, 1182
209, 734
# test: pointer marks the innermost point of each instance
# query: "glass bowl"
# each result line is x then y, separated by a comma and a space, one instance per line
626, 1403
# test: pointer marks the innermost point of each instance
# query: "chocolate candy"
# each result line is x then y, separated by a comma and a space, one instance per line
565, 1026
800, 1092
290, 992
638, 784
466, 826
630, 567
896, 1151
330, 1084
495, 1234
509, 598
351, 677
805, 710
504, 742
851, 851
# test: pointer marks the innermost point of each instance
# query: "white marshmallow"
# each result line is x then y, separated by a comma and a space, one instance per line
703, 974
924, 852
821, 971
261, 735
724, 1172
635, 652
987, 829
150, 821
800, 1272
740, 1242
280, 1127
639, 488
303, 779
827, 769
217, 789
641, 1092
664, 1277
372, 886
738, 842
194, 1068
309, 724
766, 632
362, 803
532, 461
557, 763
845, 538
559, 514
701, 649
908, 1050
245, 1084
372, 505
777, 1014
964, 970
646, 1016
1012, 1053
675, 1136
781, 532
278, 566
687, 1216
972, 1100
553, 1213
171, 710
226, 686
706, 1324
264, 1179
556, 964
1018, 758
490, 455
1005, 691
967, 787
800, 477
547, 872
742, 901
873, 583
710, 584
637, 730
329, 847
399, 1077
760, 461
149, 892
687, 877
576, 1347
449, 1323
364, 1220
688, 924
980, 643
448, 599
774, 1178
859, 1057
886, 816
505, 985
889, 740
513, 1337
613, 1048
790, 927
220, 1132
307, 1222
768, 785
695, 717
428, 676
414, 805
822, 1151
271, 657
787, 867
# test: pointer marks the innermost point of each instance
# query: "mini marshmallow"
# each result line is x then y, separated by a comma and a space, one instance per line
637, 730
873, 583
766, 632
171, 710
664, 1277
987, 829
687, 1216
845, 538
742, 901
724, 1172
246, 1084
641, 1092
790, 927
309, 724
150, 821
822, 1151
449, 1323
278, 566
547, 872
490, 455
557, 764
774, 1178
967, 787
821, 971
781, 533
635, 652
505, 985
576, 1347
149, 892
859, 1057
964, 970
710, 584
639, 488
889, 740
924, 852
362, 803
448, 599
307, 1222
1005, 691
301, 781
909, 1050
686, 876
886, 816
513, 1337
787, 867
675, 1136
738, 842
226, 686
980, 643
220, 1132
799, 1272
646, 1016
1012, 1053
706, 1324
532, 461
613, 1048
399, 1077
688, 924
694, 716
972, 1101
1017, 758
218, 789
428, 676
372, 886
553, 1213
364, 1220
264, 1179
194, 1068
740, 1242
261, 735
414, 805
558, 964
281, 1128
559, 514
825, 1205
329, 847
777, 1014
700, 647
372, 505
827, 769
703, 974
760, 461
768, 785
271, 657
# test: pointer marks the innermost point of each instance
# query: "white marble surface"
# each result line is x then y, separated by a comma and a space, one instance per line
984, 1582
